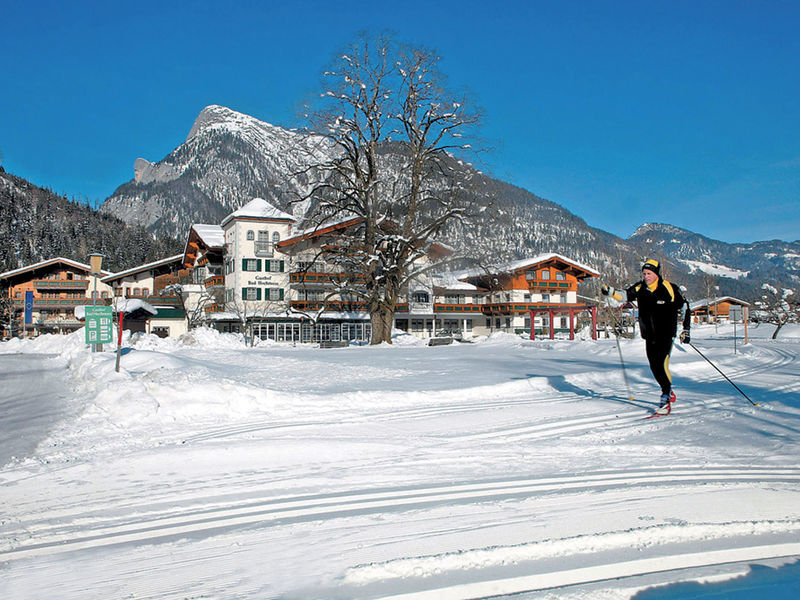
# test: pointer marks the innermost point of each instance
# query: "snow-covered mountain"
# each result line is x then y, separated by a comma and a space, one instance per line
766, 261
229, 157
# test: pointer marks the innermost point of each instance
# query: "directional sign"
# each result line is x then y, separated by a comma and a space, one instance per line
99, 321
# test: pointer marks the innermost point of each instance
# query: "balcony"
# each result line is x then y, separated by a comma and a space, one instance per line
39, 303
215, 281
312, 305
324, 278
61, 284
264, 249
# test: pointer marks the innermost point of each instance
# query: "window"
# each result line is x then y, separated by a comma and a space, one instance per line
420, 297
273, 294
263, 235
145, 292
275, 266
561, 276
527, 298
545, 274
530, 274
276, 237
250, 293
545, 297
250, 236
251, 264
454, 298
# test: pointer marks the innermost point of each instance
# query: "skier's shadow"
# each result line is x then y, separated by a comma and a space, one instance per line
560, 384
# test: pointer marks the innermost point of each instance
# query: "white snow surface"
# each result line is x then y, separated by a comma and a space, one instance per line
714, 269
205, 468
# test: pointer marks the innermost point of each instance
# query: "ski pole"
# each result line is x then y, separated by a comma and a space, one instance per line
622, 362
723, 374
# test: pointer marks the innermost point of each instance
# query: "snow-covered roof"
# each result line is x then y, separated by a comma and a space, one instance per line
211, 235
129, 305
123, 305
153, 265
709, 301
523, 263
52, 261
258, 208
449, 282
321, 229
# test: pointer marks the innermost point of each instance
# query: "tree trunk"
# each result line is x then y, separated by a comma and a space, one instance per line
777, 329
382, 322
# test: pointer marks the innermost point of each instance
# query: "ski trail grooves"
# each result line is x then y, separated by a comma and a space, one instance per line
304, 508
598, 573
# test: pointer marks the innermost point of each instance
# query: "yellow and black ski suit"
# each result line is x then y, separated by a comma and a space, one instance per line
659, 307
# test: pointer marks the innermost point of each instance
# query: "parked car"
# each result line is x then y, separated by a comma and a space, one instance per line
452, 333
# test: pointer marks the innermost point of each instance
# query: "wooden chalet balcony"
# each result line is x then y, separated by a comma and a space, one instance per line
546, 283
309, 305
61, 284
214, 281
324, 278
61, 302
214, 308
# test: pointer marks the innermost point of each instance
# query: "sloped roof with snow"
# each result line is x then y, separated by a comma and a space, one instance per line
177, 259
258, 208
211, 235
709, 301
525, 263
52, 261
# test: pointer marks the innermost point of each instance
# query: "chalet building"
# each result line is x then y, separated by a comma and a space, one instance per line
714, 310
151, 283
536, 295
58, 285
256, 272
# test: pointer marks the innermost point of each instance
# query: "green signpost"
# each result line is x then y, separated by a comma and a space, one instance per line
99, 325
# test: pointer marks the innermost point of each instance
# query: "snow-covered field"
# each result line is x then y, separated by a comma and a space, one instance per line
505, 466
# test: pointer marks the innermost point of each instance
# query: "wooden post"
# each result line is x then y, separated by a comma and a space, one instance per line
594, 322
571, 324
552, 325
533, 325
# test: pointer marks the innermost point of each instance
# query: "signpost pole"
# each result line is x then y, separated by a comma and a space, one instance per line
119, 338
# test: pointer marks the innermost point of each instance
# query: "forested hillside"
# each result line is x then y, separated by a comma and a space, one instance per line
36, 224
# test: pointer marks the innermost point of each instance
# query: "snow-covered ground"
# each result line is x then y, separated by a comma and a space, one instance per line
505, 466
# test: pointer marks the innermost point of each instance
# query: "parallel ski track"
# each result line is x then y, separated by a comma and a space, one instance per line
618, 419
96, 533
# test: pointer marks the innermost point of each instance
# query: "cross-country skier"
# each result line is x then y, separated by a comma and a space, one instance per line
660, 304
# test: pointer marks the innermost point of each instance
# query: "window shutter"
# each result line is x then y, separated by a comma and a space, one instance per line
258, 265
280, 291
258, 293
281, 269
244, 264
244, 293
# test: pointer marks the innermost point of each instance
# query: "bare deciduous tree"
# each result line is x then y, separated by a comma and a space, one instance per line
394, 128
778, 307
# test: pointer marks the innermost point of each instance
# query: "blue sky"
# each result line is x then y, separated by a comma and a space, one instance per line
624, 112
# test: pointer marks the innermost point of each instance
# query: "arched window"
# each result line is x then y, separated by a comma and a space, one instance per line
276, 237
250, 236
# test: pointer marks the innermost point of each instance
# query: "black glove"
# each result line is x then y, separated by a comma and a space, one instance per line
685, 337
607, 290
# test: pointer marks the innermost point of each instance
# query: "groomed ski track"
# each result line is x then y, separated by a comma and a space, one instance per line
458, 530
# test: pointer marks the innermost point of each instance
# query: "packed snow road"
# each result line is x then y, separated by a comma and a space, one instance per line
466, 471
